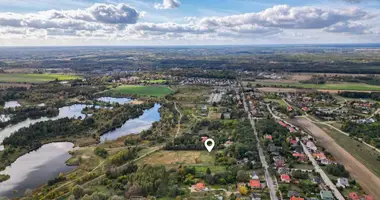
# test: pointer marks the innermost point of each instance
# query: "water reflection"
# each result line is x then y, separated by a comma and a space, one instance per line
36, 168
67, 111
144, 122
115, 100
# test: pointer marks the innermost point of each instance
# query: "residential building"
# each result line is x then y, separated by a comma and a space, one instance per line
285, 178
342, 182
326, 195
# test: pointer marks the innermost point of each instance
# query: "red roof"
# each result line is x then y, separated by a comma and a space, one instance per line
298, 155
367, 197
290, 108
283, 124
200, 186
305, 108
293, 141
285, 177
269, 137
204, 138
354, 196
255, 183
292, 130
296, 198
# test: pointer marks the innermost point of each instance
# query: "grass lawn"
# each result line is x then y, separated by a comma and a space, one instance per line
360, 151
279, 101
35, 78
157, 91
328, 86
154, 81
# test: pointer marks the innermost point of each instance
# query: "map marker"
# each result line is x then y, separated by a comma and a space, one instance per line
209, 144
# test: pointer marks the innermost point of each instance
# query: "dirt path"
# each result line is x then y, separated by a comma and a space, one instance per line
369, 181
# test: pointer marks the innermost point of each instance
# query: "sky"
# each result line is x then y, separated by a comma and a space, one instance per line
187, 22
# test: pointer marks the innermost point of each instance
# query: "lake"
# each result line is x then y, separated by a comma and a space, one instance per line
67, 111
11, 104
115, 100
144, 122
36, 168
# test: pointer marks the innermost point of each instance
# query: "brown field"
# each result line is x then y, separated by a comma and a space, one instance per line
178, 157
274, 89
336, 91
13, 85
369, 181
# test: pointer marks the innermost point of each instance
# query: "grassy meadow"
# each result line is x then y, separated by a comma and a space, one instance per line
141, 90
35, 78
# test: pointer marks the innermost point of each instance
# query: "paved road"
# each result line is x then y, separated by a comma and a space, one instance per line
317, 168
268, 177
324, 176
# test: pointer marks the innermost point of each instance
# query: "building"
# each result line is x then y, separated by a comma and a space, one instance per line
353, 196
269, 137
200, 186
342, 182
296, 198
285, 178
326, 195
255, 184
310, 144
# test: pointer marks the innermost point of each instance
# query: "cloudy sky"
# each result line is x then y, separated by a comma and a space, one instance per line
187, 22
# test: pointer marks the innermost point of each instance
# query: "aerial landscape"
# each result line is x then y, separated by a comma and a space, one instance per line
188, 100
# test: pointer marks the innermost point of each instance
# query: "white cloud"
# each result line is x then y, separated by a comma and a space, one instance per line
120, 22
284, 16
95, 17
168, 4
349, 27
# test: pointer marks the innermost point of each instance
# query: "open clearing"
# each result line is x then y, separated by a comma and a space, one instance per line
360, 151
141, 90
35, 78
367, 179
178, 158
327, 86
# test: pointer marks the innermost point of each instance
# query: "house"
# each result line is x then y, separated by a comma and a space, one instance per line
255, 184
200, 186
203, 139
317, 180
291, 129
282, 124
367, 197
254, 176
293, 142
319, 156
325, 161
326, 195
342, 182
279, 161
296, 198
354, 196
269, 137
310, 144
228, 143
285, 178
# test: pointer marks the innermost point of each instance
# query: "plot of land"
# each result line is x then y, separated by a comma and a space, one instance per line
157, 91
367, 179
155, 81
328, 86
35, 78
178, 158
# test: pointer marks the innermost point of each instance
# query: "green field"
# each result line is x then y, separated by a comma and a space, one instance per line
154, 81
35, 78
328, 86
157, 91
360, 151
